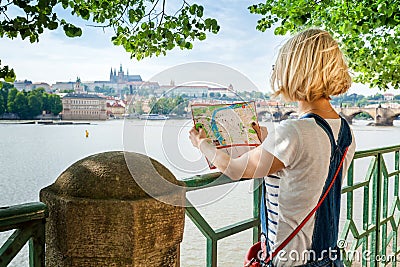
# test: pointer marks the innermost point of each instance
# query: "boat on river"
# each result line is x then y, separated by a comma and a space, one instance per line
153, 117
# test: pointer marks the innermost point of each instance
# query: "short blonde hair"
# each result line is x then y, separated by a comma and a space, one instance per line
310, 66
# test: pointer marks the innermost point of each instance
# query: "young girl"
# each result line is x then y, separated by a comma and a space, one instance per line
299, 159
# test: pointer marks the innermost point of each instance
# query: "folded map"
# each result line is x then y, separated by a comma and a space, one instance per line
229, 126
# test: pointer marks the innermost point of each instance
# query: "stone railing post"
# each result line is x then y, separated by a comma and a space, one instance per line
100, 216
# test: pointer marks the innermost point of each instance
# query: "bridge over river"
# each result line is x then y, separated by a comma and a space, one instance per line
382, 116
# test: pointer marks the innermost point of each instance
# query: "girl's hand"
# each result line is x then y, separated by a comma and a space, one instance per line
197, 136
261, 131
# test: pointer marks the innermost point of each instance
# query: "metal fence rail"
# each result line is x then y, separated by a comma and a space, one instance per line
29, 221
213, 235
375, 244
376, 239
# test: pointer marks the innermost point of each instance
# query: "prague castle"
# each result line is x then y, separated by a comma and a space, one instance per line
120, 81
122, 78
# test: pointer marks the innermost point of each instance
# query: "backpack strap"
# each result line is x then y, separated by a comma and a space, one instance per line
344, 139
325, 126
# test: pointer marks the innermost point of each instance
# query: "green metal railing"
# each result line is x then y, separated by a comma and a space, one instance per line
369, 245
377, 236
29, 221
213, 235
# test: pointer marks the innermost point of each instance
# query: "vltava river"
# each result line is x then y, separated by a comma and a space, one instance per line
32, 157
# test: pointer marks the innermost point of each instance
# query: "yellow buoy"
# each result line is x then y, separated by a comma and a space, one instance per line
86, 133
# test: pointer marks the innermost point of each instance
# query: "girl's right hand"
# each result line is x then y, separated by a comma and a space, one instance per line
261, 131
196, 136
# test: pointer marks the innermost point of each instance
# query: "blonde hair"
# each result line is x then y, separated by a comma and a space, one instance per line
310, 66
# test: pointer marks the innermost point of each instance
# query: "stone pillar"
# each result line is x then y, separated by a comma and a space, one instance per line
384, 117
349, 119
100, 216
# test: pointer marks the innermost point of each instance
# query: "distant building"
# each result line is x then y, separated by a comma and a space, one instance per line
84, 107
194, 91
78, 87
222, 91
22, 85
185, 90
115, 109
61, 86
388, 97
135, 87
46, 86
29, 86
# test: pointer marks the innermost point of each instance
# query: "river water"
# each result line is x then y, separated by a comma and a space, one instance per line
32, 157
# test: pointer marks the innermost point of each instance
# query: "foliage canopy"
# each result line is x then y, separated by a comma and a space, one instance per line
143, 27
368, 32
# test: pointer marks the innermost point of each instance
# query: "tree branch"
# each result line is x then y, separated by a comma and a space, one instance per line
152, 9
183, 5
123, 12
5, 14
163, 12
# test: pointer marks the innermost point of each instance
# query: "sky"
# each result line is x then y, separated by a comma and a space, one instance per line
238, 46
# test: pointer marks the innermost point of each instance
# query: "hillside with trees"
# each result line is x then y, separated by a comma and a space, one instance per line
28, 105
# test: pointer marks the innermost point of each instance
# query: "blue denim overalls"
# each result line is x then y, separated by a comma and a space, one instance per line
325, 235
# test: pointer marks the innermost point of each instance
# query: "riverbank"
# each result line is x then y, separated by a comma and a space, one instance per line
45, 122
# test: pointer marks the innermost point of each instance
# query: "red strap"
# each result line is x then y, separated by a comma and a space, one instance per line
295, 232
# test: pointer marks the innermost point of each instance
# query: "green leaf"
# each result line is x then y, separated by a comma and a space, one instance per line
202, 36
200, 11
188, 45
64, 4
84, 13
71, 30
52, 25
132, 15
192, 9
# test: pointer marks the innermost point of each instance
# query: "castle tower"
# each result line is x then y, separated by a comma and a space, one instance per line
78, 87
111, 75
120, 74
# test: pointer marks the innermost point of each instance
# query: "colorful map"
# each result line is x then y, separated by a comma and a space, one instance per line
229, 126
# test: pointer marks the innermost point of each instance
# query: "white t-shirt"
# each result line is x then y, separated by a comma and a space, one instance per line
304, 148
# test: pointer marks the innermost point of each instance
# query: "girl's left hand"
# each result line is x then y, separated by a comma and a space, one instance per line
197, 136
